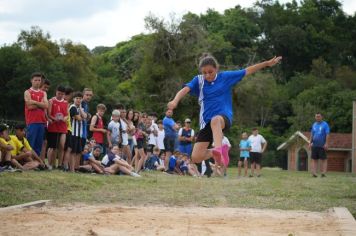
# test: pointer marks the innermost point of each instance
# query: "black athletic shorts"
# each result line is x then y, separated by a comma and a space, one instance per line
53, 139
150, 148
206, 134
256, 157
76, 144
68, 136
140, 143
169, 144
318, 153
243, 159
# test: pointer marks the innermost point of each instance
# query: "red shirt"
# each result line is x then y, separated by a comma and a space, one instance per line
59, 108
99, 136
36, 115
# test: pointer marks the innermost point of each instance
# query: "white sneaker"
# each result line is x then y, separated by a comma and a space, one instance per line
133, 174
10, 169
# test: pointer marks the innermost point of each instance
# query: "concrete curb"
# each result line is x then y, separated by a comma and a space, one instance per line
39, 203
345, 219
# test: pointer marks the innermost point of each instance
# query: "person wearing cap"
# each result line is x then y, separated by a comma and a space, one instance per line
186, 137
5, 148
114, 128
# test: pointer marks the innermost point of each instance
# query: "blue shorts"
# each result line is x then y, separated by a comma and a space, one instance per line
35, 136
184, 169
187, 149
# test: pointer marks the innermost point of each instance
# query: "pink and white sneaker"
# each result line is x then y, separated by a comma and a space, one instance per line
225, 155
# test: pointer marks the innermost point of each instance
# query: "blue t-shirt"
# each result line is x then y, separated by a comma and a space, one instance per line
172, 163
215, 97
319, 131
168, 124
245, 144
86, 156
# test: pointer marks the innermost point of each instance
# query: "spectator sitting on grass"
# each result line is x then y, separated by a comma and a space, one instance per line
5, 148
192, 168
217, 169
183, 163
174, 164
21, 159
153, 162
162, 157
91, 162
21, 136
86, 154
115, 164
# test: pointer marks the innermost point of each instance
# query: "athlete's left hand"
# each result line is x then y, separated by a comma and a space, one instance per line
274, 61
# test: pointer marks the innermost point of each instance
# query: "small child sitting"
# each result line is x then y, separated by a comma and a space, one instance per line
153, 162
115, 164
91, 161
174, 163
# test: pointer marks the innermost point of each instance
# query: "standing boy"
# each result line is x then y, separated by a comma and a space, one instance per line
77, 115
245, 147
170, 129
319, 144
98, 126
35, 105
114, 134
57, 127
258, 146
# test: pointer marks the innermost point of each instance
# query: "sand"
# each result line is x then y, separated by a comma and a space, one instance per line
114, 219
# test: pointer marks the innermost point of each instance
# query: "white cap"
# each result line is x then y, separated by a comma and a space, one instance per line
187, 120
115, 113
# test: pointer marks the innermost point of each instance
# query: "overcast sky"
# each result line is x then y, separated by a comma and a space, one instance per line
102, 22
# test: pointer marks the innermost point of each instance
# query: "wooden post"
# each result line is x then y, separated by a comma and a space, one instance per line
353, 157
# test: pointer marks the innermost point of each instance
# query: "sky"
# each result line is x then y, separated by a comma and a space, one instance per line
103, 22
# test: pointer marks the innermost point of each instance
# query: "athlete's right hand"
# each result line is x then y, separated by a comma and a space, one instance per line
172, 105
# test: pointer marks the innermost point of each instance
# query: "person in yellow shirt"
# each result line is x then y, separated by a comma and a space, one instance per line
21, 138
19, 157
5, 148
67, 149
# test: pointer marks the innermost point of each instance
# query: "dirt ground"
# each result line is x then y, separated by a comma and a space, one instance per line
121, 220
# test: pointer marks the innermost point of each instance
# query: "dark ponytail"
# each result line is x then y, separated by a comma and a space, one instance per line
208, 60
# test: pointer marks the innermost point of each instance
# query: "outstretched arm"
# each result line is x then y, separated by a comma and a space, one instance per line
181, 93
260, 66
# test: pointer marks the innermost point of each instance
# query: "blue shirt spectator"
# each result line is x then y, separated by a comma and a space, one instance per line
169, 127
245, 144
319, 132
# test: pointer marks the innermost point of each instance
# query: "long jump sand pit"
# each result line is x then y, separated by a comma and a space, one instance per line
142, 220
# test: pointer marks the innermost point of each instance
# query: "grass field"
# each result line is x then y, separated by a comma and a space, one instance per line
276, 189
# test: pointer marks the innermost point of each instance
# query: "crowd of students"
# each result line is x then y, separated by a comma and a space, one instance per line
63, 130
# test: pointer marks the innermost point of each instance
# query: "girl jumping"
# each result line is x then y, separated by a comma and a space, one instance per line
213, 89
